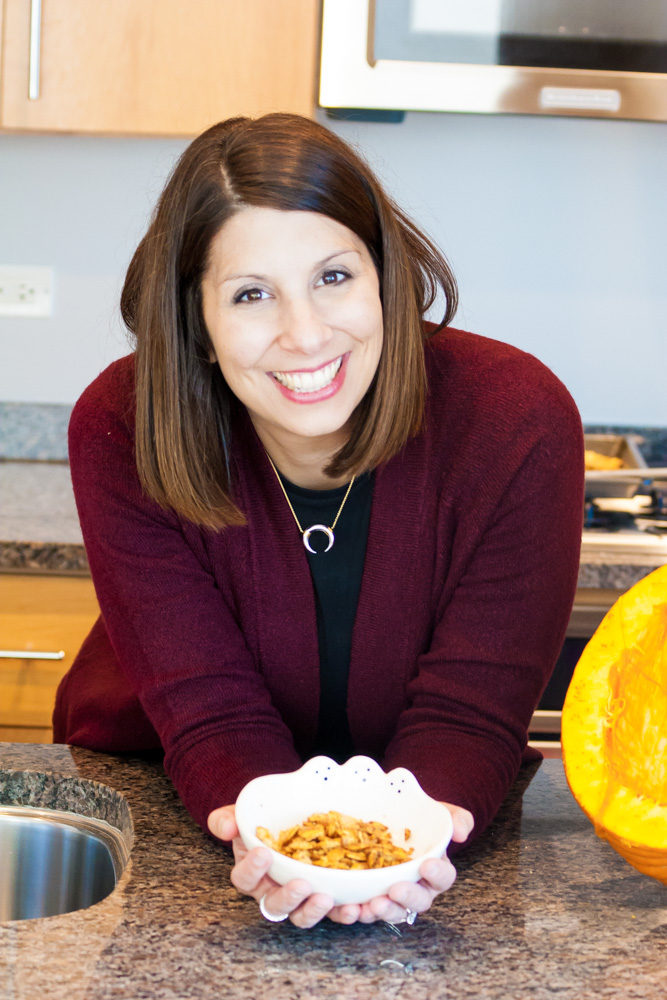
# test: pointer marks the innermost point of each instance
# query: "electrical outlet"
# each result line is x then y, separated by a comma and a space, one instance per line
25, 291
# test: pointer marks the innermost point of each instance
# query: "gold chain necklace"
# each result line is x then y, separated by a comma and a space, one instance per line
305, 535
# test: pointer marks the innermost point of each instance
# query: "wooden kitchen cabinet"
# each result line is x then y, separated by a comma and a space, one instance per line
158, 67
44, 614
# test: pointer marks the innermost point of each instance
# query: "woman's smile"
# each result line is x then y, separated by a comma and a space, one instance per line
292, 305
312, 385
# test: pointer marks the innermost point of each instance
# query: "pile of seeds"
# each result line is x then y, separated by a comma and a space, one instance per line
332, 840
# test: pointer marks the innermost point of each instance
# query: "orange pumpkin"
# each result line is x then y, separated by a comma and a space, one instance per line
614, 727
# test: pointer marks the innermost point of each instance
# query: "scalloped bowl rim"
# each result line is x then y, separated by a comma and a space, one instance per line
359, 788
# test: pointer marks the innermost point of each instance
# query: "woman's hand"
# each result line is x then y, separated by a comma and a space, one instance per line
249, 875
305, 909
403, 898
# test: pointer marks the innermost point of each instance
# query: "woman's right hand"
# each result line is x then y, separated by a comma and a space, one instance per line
250, 876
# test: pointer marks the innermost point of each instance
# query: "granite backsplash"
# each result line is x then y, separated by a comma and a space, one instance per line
35, 431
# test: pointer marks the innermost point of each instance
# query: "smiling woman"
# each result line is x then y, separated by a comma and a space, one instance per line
305, 329
285, 383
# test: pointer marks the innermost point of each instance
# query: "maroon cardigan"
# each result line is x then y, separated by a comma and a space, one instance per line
468, 583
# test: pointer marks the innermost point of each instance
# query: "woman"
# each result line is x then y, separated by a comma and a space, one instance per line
314, 522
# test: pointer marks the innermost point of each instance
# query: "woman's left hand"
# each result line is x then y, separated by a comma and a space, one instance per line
403, 898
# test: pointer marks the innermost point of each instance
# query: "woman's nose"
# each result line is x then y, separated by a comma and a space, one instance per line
302, 327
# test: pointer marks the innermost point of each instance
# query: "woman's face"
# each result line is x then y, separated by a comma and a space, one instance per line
291, 301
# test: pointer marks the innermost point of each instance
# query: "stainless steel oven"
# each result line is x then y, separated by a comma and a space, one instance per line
551, 57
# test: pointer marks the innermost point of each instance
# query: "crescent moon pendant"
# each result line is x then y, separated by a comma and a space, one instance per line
317, 527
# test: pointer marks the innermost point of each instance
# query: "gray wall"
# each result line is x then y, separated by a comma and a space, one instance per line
555, 228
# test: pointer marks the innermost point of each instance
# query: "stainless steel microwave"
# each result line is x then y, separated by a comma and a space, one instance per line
596, 58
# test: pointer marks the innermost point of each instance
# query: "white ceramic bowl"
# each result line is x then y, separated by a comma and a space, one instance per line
358, 788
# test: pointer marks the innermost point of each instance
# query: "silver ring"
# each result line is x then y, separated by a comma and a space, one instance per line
270, 916
409, 918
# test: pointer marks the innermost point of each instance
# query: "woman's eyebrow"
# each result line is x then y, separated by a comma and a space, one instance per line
250, 277
337, 253
263, 277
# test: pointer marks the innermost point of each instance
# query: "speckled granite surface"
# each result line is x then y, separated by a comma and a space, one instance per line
606, 574
61, 791
39, 527
541, 908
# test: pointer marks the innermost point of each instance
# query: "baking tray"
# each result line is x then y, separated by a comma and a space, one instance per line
624, 446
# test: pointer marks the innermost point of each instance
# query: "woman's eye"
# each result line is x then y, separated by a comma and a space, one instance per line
334, 277
250, 295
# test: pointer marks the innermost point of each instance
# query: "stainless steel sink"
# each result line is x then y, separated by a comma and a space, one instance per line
54, 862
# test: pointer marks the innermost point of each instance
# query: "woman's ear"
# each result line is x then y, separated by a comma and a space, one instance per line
210, 349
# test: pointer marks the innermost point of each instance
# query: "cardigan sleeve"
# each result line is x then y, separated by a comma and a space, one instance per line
497, 636
177, 643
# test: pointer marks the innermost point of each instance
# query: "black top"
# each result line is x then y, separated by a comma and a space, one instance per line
337, 580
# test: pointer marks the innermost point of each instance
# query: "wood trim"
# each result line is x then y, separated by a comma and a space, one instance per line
26, 734
547, 749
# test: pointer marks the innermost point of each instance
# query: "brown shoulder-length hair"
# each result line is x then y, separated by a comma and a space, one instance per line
183, 405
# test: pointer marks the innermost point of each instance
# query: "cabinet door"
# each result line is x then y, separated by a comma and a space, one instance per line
160, 67
38, 614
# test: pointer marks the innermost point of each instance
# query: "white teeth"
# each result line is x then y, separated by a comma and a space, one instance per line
309, 381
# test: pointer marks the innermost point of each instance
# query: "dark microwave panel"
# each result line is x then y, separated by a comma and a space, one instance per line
621, 35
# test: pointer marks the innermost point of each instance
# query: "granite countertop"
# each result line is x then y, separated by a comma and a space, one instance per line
39, 531
39, 524
541, 908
